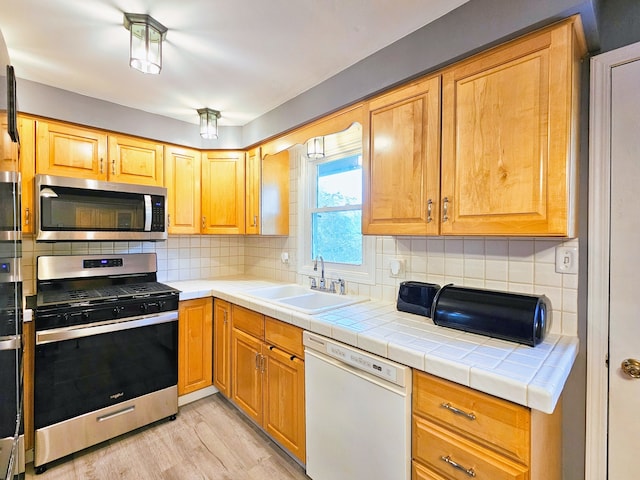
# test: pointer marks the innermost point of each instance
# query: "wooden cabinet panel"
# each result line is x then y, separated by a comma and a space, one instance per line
132, 160
70, 151
253, 182
246, 373
419, 472
27, 132
509, 138
182, 179
458, 458
284, 400
502, 424
248, 321
274, 194
284, 335
8, 149
402, 175
222, 346
195, 337
223, 193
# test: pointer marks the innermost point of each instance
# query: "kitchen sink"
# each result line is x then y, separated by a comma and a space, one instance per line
303, 299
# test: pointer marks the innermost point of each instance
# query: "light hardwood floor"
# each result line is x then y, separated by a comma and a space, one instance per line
210, 439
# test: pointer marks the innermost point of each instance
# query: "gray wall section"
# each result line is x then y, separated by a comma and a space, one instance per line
619, 23
39, 99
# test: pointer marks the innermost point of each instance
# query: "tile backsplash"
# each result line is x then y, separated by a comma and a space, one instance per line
523, 265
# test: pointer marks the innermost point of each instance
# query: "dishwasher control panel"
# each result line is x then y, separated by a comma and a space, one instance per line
364, 361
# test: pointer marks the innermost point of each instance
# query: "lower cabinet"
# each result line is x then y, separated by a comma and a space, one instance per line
195, 338
459, 433
222, 346
267, 376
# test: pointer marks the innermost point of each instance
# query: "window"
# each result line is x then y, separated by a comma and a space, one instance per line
331, 211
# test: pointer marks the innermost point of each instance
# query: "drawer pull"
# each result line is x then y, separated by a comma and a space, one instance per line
468, 471
457, 411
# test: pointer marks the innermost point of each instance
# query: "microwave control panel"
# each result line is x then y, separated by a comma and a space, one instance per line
157, 213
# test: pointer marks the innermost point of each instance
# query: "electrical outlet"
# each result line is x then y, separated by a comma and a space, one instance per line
567, 260
396, 268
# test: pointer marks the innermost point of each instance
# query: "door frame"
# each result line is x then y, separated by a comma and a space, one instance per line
598, 253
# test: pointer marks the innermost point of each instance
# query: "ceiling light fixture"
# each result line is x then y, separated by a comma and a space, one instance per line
315, 147
145, 42
208, 123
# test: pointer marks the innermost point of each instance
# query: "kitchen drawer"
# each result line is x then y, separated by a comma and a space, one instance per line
433, 444
497, 423
285, 336
248, 321
420, 472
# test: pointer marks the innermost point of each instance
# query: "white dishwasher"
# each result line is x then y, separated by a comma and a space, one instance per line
358, 413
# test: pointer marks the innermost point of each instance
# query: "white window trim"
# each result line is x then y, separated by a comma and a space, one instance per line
365, 273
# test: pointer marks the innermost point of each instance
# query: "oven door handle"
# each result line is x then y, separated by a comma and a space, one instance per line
10, 343
80, 331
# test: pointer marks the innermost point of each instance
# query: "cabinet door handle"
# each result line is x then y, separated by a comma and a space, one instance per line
113, 166
445, 209
457, 411
101, 165
27, 216
168, 220
449, 460
225, 317
204, 220
257, 361
429, 210
255, 221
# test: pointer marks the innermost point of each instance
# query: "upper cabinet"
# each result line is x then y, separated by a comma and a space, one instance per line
509, 137
253, 179
508, 141
71, 151
223, 192
182, 179
132, 160
402, 176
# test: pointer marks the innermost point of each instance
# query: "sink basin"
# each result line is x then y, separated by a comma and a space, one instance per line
279, 291
303, 299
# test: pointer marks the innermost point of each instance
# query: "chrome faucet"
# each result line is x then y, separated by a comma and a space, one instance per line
315, 269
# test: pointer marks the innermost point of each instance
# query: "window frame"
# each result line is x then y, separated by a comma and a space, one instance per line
364, 273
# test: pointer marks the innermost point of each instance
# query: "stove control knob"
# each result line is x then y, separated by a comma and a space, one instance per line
65, 317
144, 307
115, 312
85, 315
161, 305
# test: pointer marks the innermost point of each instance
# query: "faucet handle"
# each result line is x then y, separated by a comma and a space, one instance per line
313, 282
332, 288
342, 286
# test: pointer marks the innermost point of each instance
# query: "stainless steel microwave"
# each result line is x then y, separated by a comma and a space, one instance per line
75, 209
10, 223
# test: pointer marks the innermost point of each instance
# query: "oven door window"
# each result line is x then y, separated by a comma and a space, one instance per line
70, 209
74, 377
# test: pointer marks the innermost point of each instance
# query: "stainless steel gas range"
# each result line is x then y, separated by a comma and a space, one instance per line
106, 357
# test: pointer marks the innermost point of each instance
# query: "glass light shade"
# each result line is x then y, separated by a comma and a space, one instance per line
145, 42
315, 147
208, 123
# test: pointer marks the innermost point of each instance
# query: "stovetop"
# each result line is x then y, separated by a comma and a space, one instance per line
59, 295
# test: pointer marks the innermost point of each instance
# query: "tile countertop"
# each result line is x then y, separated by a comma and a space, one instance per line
530, 376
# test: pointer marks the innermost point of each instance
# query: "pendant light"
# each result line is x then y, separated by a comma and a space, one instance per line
315, 147
209, 123
145, 42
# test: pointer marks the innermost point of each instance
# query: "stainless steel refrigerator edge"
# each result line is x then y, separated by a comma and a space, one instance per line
11, 434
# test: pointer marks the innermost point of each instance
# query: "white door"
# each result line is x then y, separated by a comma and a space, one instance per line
624, 255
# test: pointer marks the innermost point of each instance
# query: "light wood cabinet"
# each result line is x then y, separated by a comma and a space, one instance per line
182, 179
402, 175
509, 137
267, 377
27, 132
223, 193
195, 340
8, 149
70, 151
222, 346
132, 160
267, 192
507, 144
458, 431
253, 180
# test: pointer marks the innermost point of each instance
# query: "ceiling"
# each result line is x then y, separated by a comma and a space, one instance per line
242, 57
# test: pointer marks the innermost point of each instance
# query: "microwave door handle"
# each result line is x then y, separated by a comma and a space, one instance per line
147, 213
